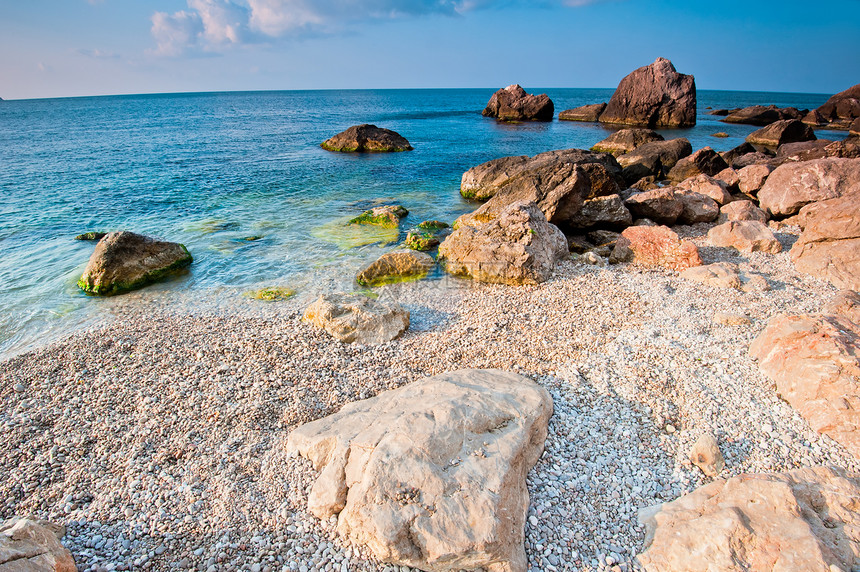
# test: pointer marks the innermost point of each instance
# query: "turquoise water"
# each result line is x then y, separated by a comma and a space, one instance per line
212, 170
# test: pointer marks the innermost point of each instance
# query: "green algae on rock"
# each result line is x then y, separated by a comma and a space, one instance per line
387, 216
124, 261
397, 266
433, 225
272, 293
91, 235
420, 240
367, 139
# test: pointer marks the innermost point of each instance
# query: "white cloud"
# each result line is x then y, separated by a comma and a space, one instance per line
210, 25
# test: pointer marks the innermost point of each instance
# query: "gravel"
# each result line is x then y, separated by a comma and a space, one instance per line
158, 437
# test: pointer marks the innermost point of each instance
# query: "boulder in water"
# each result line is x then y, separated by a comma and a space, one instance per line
366, 139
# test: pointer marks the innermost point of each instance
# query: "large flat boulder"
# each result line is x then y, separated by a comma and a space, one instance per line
815, 361
366, 138
626, 140
746, 236
762, 115
829, 246
584, 113
653, 96
781, 132
656, 246
804, 519
793, 185
514, 104
28, 545
432, 475
357, 318
485, 180
662, 205
517, 247
653, 159
396, 266
124, 261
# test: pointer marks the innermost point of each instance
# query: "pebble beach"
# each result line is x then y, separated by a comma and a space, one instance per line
158, 436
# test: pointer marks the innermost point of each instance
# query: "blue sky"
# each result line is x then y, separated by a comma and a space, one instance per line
55, 48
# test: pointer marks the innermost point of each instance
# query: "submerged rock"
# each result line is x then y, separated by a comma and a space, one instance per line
395, 267
653, 96
514, 104
357, 318
518, 247
272, 293
387, 216
124, 261
366, 138
432, 475
800, 520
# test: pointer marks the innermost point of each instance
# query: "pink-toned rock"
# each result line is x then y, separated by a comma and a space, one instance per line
28, 545
656, 246
752, 178
746, 236
815, 362
712, 187
697, 207
660, 205
793, 185
584, 113
514, 104
829, 246
781, 132
804, 519
653, 96
730, 177
741, 210
704, 161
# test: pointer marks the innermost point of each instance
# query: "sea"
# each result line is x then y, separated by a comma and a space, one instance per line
241, 180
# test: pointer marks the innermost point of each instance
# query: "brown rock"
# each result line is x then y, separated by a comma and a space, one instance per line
781, 132
706, 455
653, 159
854, 128
653, 96
709, 186
762, 115
844, 105
814, 118
746, 236
483, 181
656, 246
514, 104
366, 139
28, 545
704, 161
584, 113
626, 140
394, 267
697, 207
660, 205
815, 362
829, 246
846, 304
601, 211
752, 178
741, 210
732, 154
518, 247
802, 151
793, 185
800, 520
124, 261
730, 177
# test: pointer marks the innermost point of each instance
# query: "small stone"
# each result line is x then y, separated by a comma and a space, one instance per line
706, 455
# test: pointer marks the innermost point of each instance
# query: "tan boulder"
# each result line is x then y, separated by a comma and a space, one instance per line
518, 247
752, 178
482, 181
697, 207
829, 246
432, 475
741, 210
661, 205
746, 236
626, 140
793, 185
804, 519
815, 362
726, 275
28, 545
730, 177
357, 318
712, 187
396, 266
706, 455
656, 246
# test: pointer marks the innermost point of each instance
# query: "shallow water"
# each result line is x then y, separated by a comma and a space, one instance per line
213, 170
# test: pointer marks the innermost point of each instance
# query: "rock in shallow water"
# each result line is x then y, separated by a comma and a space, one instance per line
514, 104
396, 266
800, 520
432, 475
124, 261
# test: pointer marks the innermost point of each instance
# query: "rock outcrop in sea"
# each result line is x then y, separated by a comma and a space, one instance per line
843, 108
514, 104
124, 261
654, 96
367, 138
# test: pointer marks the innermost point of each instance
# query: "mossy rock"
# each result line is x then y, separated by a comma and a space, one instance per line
92, 235
421, 240
397, 266
433, 225
387, 216
367, 139
272, 294
346, 236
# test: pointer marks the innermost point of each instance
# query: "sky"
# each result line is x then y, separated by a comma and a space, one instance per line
62, 48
